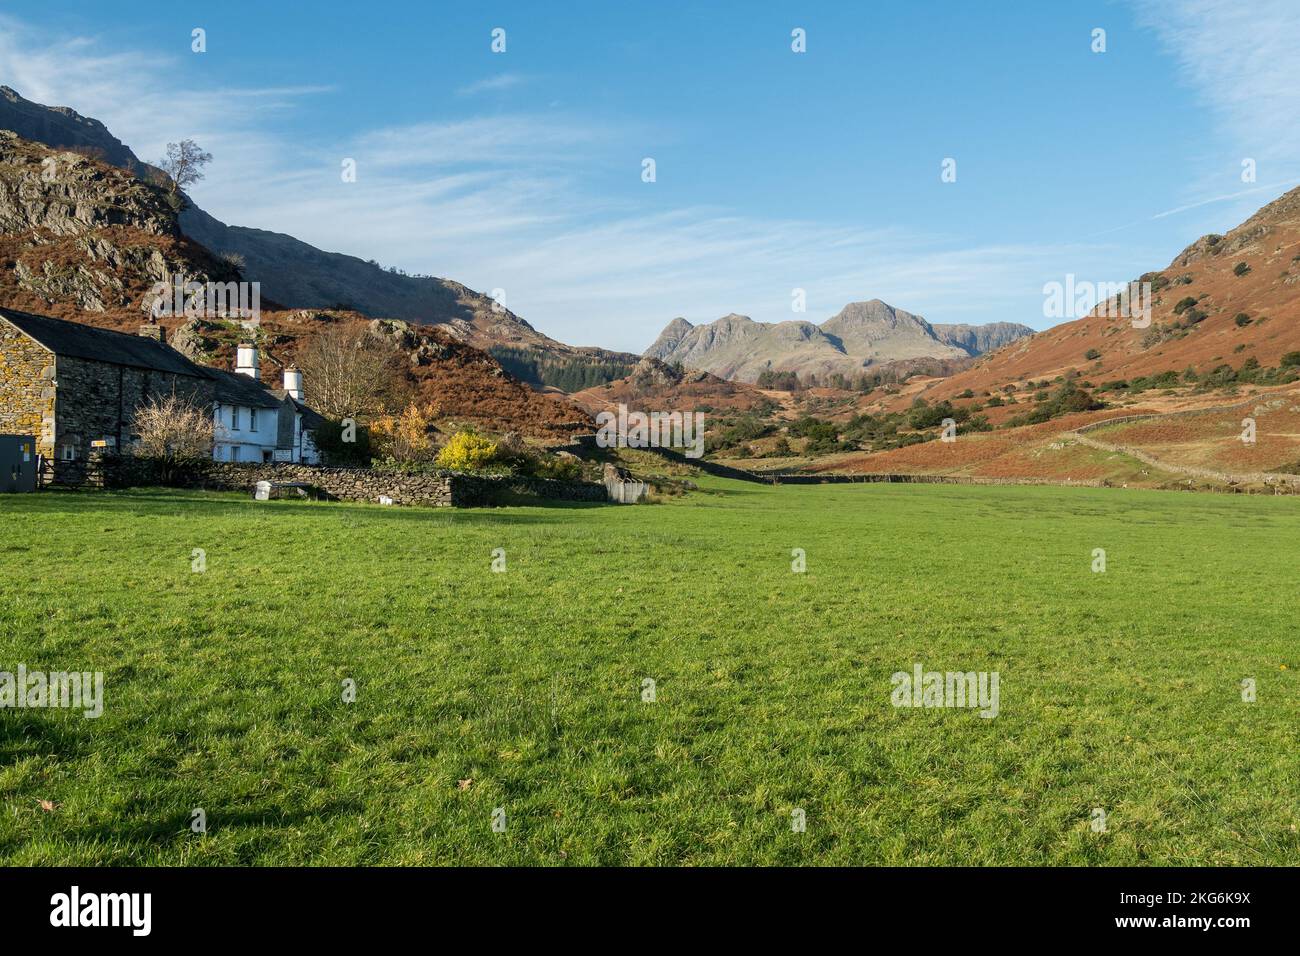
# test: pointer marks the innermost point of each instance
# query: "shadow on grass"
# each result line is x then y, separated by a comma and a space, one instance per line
224, 501
46, 734
174, 827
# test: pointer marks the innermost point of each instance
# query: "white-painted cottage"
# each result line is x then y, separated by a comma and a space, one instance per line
258, 424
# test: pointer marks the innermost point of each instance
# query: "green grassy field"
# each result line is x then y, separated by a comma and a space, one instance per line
223, 689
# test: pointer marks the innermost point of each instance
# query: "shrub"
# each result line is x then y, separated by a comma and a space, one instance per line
823, 437
405, 437
467, 451
1240, 269
1092, 355
560, 469
516, 455
1184, 304
1066, 399
930, 416
329, 439
1242, 320
175, 433
1290, 360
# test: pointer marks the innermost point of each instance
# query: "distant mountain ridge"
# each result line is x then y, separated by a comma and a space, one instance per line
64, 128
861, 335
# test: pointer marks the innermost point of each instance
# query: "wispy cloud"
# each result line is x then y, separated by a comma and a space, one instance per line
1241, 60
493, 84
1269, 188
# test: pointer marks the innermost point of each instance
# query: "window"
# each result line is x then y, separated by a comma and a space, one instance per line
252, 419
234, 453
68, 452
234, 417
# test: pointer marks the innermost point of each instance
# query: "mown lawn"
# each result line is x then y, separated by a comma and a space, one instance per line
1118, 690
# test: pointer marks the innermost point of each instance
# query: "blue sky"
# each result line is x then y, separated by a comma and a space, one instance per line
521, 170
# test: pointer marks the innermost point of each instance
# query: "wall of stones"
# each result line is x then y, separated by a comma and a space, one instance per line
26, 389
435, 489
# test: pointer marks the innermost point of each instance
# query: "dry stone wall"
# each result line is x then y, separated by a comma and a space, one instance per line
434, 489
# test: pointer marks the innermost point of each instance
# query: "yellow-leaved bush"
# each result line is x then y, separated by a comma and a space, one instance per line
467, 451
405, 437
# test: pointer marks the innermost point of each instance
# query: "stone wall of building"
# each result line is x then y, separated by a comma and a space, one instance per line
26, 389
434, 489
98, 400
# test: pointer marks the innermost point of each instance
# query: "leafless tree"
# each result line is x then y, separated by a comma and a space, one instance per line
184, 163
174, 429
349, 373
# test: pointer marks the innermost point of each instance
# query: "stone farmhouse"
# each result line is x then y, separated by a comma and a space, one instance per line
75, 389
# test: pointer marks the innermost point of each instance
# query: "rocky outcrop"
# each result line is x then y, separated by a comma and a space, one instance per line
87, 237
979, 339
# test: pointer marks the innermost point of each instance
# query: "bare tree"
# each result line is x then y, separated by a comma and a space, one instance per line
349, 373
184, 163
173, 429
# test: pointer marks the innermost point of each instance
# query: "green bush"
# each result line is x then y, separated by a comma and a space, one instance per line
1242, 320
1240, 269
329, 436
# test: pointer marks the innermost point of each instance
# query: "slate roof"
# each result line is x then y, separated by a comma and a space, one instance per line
236, 389
102, 345
120, 348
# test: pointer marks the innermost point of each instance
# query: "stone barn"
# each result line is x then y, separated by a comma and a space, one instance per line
69, 385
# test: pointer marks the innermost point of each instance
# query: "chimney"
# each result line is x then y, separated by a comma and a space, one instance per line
246, 361
293, 382
152, 330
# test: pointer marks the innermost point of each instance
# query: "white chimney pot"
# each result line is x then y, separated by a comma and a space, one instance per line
246, 362
293, 382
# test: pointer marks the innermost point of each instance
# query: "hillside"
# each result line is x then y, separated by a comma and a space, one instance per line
299, 275
862, 335
655, 385
86, 241
1208, 311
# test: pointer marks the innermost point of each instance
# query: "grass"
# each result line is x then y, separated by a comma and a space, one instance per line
1119, 690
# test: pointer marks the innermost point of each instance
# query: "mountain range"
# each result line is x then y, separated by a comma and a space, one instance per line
860, 336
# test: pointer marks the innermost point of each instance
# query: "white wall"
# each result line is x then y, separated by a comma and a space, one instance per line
251, 444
